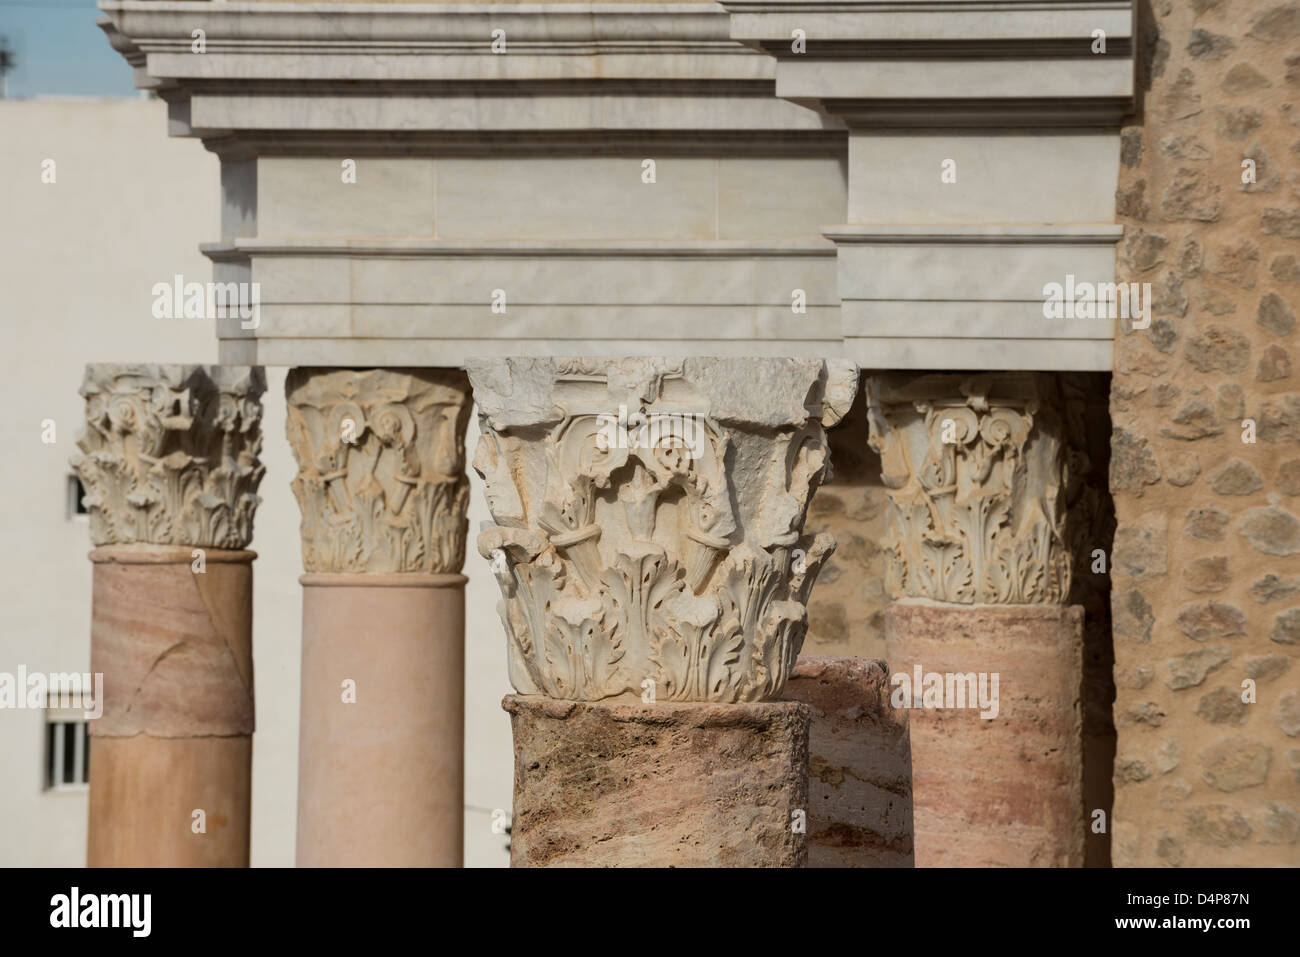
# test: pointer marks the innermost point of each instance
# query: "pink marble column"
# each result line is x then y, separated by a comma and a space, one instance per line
380, 777
383, 493
983, 647
1005, 791
169, 464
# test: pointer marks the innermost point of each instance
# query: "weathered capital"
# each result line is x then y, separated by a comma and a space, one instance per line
381, 468
169, 453
977, 470
649, 519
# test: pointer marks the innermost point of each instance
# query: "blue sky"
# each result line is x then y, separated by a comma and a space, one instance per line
60, 51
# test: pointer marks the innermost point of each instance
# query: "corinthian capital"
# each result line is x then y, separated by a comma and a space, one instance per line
976, 468
169, 454
650, 519
381, 468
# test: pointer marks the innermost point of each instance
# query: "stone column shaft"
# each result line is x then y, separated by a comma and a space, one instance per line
381, 780
625, 784
169, 463
1004, 791
383, 493
655, 576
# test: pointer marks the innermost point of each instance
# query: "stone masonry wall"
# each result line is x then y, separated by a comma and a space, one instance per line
846, 609
1206, 564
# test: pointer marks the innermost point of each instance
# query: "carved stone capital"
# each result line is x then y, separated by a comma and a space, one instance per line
169, 453
381, 468
978, 471
650, 519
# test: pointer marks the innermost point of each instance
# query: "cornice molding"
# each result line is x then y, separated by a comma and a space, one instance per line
242, 250
1020, 63
369, 28
943, 25
908, 65
992, 234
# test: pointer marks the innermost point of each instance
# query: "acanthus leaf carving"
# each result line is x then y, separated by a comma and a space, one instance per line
974, 468
648, 515
169, 454
381, 468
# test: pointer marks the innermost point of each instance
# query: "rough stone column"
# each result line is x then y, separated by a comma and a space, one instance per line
169, 463
648, 539
382, 487
979, 566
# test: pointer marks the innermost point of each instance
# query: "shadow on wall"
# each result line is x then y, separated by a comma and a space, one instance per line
1091, 589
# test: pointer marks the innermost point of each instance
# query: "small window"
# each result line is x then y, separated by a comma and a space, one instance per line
67, 753
76, 494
